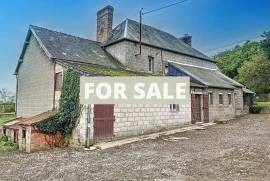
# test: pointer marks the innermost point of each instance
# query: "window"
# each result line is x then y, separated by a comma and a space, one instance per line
230, 98
211, 98
174, 107
220, 99
58, 81
151, 64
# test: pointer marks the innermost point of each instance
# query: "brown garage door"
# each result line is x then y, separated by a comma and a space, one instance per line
103, 122
195, 108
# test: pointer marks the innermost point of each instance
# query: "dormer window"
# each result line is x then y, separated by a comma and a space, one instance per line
150, 64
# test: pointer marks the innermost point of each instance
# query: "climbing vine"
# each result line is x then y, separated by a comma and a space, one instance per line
69, 107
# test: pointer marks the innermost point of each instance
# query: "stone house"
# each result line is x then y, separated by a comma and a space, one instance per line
46, 54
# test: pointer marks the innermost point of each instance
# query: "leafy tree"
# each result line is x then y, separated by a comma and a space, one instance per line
256, 74
266, 43
231, 60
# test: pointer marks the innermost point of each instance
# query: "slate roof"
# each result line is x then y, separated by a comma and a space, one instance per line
208, 77
66, 47
129, 29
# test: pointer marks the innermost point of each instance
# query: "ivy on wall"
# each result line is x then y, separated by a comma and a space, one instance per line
64, 120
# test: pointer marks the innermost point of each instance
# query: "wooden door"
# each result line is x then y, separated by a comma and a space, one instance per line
195, 108
103, 122
206, 108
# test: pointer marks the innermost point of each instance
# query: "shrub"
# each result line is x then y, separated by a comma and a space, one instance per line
3, 138
254, 109
69, 107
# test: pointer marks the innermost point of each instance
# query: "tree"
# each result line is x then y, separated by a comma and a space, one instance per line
231, 60
266, 43
6, 96
256, 74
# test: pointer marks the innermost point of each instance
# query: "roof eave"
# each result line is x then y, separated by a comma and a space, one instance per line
30, 32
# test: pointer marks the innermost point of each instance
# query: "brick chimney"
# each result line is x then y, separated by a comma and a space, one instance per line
187, 39
104, 23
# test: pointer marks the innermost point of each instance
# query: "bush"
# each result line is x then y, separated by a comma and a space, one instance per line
255, 109
3, 138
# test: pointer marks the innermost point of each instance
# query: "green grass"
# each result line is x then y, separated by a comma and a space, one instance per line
262, 104
6, 145
6, 118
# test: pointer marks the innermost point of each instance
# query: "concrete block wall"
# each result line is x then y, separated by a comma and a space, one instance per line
35, 82
136, 119
239, 102
221, 111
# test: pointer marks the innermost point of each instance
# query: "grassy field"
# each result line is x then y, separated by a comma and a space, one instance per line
6, 145
262, 104
5, 118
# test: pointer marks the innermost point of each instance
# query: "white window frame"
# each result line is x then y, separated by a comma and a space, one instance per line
220, 94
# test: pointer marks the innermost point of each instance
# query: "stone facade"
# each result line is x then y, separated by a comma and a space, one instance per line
136, 119
35, 81
239, 103
127, 53
104, 23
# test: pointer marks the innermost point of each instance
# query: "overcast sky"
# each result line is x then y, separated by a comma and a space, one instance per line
212, 23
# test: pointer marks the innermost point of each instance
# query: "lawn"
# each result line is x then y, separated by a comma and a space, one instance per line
6, 118
262, 104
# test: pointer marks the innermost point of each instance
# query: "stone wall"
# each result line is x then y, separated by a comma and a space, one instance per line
35, 82
221, 111
239, 102
133, 119
136, 119
127, 53
104, 23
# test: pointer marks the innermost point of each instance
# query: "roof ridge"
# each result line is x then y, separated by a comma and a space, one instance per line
34, 26
163, 31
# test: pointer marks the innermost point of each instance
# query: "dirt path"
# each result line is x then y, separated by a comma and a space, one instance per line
239, 150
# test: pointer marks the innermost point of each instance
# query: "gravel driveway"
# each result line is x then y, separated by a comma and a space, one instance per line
239, 150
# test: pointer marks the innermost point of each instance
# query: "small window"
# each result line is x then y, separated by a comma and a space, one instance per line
220, 99
230, 98
174, 107
23, 133
211, 98
151, 64
58, 81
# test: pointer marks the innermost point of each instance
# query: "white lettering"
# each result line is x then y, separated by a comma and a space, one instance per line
153, 91
119, 91
138, 87
180, 90
166, 92
107, 89
88, 90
